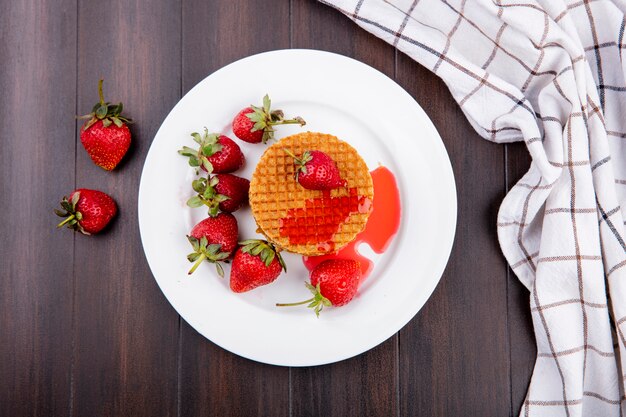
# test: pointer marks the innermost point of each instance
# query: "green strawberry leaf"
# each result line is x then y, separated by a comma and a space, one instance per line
208, 150
61, 213
75, 198
266, 103
67, 206
196, 137
187, 151
101, 112
195, 202
199, 185
256, 250
192, 257
258, 126
194, 242
213, 211
207, 165
220, 270
193, 161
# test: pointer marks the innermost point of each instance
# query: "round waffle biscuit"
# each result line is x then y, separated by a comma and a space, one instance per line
310, 222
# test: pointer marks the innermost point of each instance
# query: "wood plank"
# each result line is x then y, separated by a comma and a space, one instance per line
521, 333
455, 353
37, 80
217, 33
367, 384
213, 381
317, 26
126, 332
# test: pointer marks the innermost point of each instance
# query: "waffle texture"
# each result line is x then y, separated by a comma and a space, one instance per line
310, 222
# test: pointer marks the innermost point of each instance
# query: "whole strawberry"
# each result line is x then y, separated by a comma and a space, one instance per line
256, 124
315, 170
213, 239
333, 283
87, 211
105, 135
216, 153
256, 263
225, 192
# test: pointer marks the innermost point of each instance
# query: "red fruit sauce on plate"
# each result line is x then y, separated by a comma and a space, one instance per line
303, 225
381, 227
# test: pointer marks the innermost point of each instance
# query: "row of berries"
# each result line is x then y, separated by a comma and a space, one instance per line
106, 138
215, 239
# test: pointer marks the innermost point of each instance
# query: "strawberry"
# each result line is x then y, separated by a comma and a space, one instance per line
315, 170
256, 263
216, 153
225, 192
333, 283
105, 135
213, 239
256, 124
87, 211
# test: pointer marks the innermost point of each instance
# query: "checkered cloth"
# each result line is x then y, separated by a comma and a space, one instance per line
549, 73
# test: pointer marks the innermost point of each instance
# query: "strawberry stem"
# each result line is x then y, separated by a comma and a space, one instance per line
299, 162
317, 303
295, 304
100, 93
288, 152
69, 219
298, 120
197, 264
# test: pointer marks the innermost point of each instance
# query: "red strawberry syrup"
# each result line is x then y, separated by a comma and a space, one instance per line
320, 218
381, 227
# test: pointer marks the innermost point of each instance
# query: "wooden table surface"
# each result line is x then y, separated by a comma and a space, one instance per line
84, 329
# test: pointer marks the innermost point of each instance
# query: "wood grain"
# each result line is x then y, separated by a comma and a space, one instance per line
367, 384
521, 333
37, 80
455, 353
213, 381
126, 339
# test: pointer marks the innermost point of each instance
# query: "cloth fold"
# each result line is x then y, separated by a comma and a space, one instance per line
550, 73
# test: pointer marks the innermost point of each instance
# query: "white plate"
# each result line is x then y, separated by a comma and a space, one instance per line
360, 105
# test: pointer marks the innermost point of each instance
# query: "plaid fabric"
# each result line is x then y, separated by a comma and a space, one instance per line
549, 73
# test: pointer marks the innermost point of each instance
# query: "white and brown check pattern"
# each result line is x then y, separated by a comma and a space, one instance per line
549, 73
